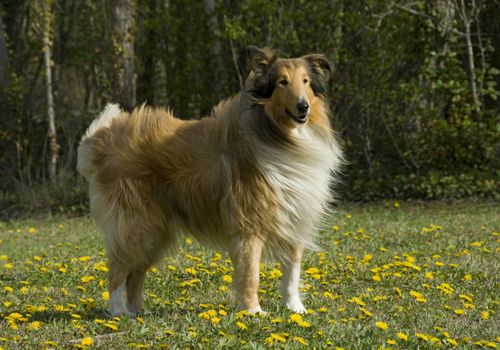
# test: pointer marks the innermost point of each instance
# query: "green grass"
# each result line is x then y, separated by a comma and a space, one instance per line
428, 272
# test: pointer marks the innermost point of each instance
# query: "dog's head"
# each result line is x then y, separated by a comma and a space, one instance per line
288, 88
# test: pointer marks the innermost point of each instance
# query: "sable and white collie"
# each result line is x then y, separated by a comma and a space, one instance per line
253, 177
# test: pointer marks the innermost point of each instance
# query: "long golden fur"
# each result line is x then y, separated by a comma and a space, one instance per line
255, 176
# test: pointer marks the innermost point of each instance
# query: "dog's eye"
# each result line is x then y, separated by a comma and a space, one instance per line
284, 82
306, 81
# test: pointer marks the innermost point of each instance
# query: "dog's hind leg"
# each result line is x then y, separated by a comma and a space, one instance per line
135, 285
291, 279
117, 277
245, 254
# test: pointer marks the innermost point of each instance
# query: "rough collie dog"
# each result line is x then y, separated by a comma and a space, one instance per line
252, 178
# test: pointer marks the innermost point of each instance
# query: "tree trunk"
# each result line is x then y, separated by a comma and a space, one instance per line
122, 32
47, 50
215, 49
4, 63
467, 19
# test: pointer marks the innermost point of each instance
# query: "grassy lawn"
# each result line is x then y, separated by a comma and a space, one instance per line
395, 276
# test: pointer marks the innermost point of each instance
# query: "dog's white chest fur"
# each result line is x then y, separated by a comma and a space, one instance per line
301, 178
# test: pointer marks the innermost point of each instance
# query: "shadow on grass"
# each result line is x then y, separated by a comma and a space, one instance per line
51, 316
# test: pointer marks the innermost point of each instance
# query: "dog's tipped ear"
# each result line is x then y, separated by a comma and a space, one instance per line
259, 59
319, 63
320, 72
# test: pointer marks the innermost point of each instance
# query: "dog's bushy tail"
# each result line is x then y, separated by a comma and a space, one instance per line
85, 157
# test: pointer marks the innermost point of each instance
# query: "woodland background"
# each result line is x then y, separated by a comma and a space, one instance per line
414, 92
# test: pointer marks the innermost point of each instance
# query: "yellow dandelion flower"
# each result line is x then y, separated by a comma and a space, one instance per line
215, 320
276, 337
32, 230
101, 266
111, 325
241, 325
330, 295
295, 317
391, 342
459, 311
430, 275
402, 336
276, 320
418, 296
275, 273
445, 288
8, 289
451, 341
87, 341
300, 340
381, 325
303, 324
467, 277
8, 266
379, 298
227, 279
3, 257
485, 315
422, 336
35, 325
366, 312
191, 271
376, 278
357, 300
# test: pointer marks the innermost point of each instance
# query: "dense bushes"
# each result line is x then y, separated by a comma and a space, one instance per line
414, 119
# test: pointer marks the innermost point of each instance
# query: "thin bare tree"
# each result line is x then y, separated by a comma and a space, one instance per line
47, 12
4, 62
467, 13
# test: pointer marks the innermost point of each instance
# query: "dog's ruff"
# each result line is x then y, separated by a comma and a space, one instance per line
254, 177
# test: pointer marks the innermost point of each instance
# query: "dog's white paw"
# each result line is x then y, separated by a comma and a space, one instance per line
122, 313
256, 310
295, 305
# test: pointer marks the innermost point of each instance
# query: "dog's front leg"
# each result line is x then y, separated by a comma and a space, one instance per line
245, 254
291, 279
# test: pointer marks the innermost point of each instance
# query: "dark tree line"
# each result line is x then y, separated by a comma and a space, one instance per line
415, 88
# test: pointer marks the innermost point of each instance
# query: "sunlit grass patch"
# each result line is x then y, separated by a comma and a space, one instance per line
388, 276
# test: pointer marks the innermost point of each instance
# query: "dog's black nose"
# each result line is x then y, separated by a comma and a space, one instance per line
303, 107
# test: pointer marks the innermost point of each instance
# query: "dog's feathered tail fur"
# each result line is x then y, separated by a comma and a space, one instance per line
85, 158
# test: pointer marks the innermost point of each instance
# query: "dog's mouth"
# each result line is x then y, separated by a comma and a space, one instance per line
301, 119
